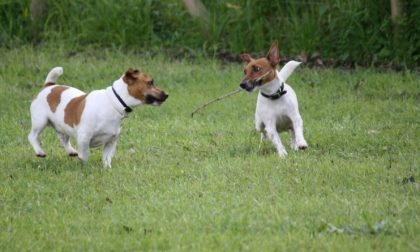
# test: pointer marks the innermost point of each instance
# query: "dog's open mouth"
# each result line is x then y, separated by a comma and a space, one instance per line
249, 89
248, 85
153, 100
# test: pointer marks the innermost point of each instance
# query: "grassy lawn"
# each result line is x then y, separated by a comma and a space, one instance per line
182, 183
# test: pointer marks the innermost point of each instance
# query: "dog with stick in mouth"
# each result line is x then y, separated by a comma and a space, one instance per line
277, 106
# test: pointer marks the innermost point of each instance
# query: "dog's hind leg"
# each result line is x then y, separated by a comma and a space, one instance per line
83, 141
261, 140
260, 127
38, 125
65, 142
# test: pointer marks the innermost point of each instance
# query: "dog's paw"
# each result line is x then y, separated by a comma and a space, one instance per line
300, 145
297, 147
83, 159
73, 154
303, 147
294, 146
282, 153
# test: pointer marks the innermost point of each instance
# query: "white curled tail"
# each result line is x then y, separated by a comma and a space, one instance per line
288, 69
53, 75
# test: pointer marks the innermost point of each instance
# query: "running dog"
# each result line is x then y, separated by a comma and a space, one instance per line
93, 119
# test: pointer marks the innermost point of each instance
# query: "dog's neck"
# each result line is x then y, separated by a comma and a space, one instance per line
121, 89
272, 86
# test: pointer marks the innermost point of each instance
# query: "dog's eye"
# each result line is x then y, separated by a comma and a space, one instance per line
256, 69
150, 82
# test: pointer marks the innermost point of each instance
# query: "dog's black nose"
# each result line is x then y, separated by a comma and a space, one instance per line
164, 96
243, 85
246, 85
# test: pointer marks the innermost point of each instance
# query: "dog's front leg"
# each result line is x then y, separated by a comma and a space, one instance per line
108, 152
275, 139
298, 141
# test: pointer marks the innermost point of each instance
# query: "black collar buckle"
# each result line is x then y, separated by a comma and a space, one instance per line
126, 108
279, 93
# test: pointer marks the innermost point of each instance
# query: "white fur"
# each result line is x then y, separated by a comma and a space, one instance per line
100, 122
54, 74
275, 116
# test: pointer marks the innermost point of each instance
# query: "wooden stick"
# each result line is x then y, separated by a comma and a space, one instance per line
215, 100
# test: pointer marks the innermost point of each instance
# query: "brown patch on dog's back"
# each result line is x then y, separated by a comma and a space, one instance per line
49, 84
74, 109
43, 87
54, 97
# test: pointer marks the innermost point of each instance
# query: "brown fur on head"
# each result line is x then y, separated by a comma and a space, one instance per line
260, 71
141, 86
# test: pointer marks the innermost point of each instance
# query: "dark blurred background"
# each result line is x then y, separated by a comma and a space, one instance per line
324, 32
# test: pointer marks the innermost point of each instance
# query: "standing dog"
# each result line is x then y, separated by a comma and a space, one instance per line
277, 107
93, 119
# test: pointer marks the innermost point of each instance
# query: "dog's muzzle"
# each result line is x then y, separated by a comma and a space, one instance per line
250, 85
156, 100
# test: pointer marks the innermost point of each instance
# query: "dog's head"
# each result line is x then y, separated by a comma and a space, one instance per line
260, 71
141, 86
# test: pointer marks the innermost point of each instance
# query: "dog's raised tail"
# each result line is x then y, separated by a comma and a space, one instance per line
288, 69
53, 76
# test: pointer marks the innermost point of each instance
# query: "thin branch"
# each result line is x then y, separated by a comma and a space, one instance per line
215, 100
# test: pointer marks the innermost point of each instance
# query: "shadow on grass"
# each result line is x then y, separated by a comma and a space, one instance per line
60, 163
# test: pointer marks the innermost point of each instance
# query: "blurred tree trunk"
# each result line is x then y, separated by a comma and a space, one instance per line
396, 12
38, 8
396, 9
197, 9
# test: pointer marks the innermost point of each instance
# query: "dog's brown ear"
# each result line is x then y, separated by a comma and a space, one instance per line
273, 54
246, 57
130, 76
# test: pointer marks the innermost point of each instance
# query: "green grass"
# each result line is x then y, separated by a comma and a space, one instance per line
179, 183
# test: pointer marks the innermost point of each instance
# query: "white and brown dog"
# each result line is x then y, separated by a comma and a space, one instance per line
277, 107
93, 119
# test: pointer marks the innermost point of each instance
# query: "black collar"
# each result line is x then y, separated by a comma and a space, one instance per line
279, 93
126, 108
